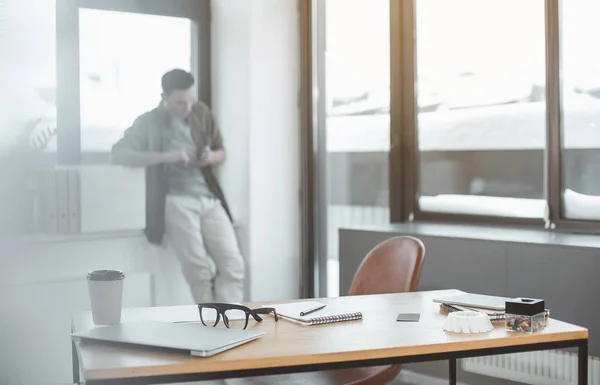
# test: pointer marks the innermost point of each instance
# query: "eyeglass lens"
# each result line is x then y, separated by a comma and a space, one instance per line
209, 316
235, 318
232, 318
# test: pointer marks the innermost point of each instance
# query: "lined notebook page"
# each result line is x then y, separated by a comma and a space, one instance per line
329, 314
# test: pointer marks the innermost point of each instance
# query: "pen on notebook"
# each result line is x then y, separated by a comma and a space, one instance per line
309, 311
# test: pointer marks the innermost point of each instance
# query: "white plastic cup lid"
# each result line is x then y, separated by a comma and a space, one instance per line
105, 275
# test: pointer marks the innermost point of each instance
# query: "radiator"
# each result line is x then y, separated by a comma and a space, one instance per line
348, 215
535, 368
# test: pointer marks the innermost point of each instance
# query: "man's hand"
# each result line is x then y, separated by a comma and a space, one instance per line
178, 156
205, 159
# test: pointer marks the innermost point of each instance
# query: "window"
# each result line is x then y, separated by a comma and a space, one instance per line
112, 55
76, 78
481, 107
580, 94
494, 113
355, 128
28, 100
28, 70
488, 113
122, 58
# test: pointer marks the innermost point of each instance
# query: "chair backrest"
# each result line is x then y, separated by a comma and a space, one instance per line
393, 266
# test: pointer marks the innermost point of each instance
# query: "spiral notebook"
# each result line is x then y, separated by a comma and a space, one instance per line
329, 314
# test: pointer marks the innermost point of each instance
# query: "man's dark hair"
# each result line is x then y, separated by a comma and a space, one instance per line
176, 80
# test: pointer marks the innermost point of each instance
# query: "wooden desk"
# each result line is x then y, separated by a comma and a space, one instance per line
288, 347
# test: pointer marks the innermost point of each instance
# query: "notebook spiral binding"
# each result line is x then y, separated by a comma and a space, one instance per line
336, 318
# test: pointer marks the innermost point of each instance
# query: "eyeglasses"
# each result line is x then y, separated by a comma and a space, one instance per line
211, 314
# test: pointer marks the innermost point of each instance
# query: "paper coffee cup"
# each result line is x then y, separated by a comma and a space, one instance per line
106, 295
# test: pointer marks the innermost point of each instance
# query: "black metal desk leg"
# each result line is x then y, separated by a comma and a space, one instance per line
75, 359
452, 362
583, 363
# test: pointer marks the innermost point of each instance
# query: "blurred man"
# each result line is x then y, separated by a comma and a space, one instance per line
179, 144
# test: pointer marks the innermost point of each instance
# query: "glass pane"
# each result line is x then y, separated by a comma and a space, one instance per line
358, 120
28, 69
481, 114
123, 57
581, 109
28, 100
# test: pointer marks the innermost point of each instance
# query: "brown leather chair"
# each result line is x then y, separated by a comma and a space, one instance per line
393, 266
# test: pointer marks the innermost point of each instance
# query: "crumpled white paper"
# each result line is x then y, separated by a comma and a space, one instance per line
468, 322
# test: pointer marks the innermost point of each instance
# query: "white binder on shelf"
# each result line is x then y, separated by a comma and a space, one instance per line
49, 204
62, 198
74, 203
92, 199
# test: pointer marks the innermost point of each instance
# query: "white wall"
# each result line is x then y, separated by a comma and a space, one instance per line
256, 82
42, 284
42, 277
230, 95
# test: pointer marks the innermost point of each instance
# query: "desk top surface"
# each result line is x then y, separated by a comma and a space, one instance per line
377, 335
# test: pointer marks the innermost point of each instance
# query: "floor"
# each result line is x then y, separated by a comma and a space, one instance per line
406, 378
412, 378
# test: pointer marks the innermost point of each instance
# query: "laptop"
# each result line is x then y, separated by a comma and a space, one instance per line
198, 340
477, 301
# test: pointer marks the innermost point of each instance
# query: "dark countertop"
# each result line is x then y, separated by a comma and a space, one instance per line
487, 233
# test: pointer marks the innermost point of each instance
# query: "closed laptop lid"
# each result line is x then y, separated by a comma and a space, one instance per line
198, 339
478, 301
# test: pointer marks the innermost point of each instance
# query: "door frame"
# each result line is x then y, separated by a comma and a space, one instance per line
313, 151
307, 155
68, 100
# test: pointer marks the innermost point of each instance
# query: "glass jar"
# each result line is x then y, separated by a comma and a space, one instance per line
525, 323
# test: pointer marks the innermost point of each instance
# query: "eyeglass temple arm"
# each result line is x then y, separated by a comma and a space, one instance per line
266, 310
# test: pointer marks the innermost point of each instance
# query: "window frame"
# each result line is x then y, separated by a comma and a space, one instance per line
68, 100
404, 153
555, 130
